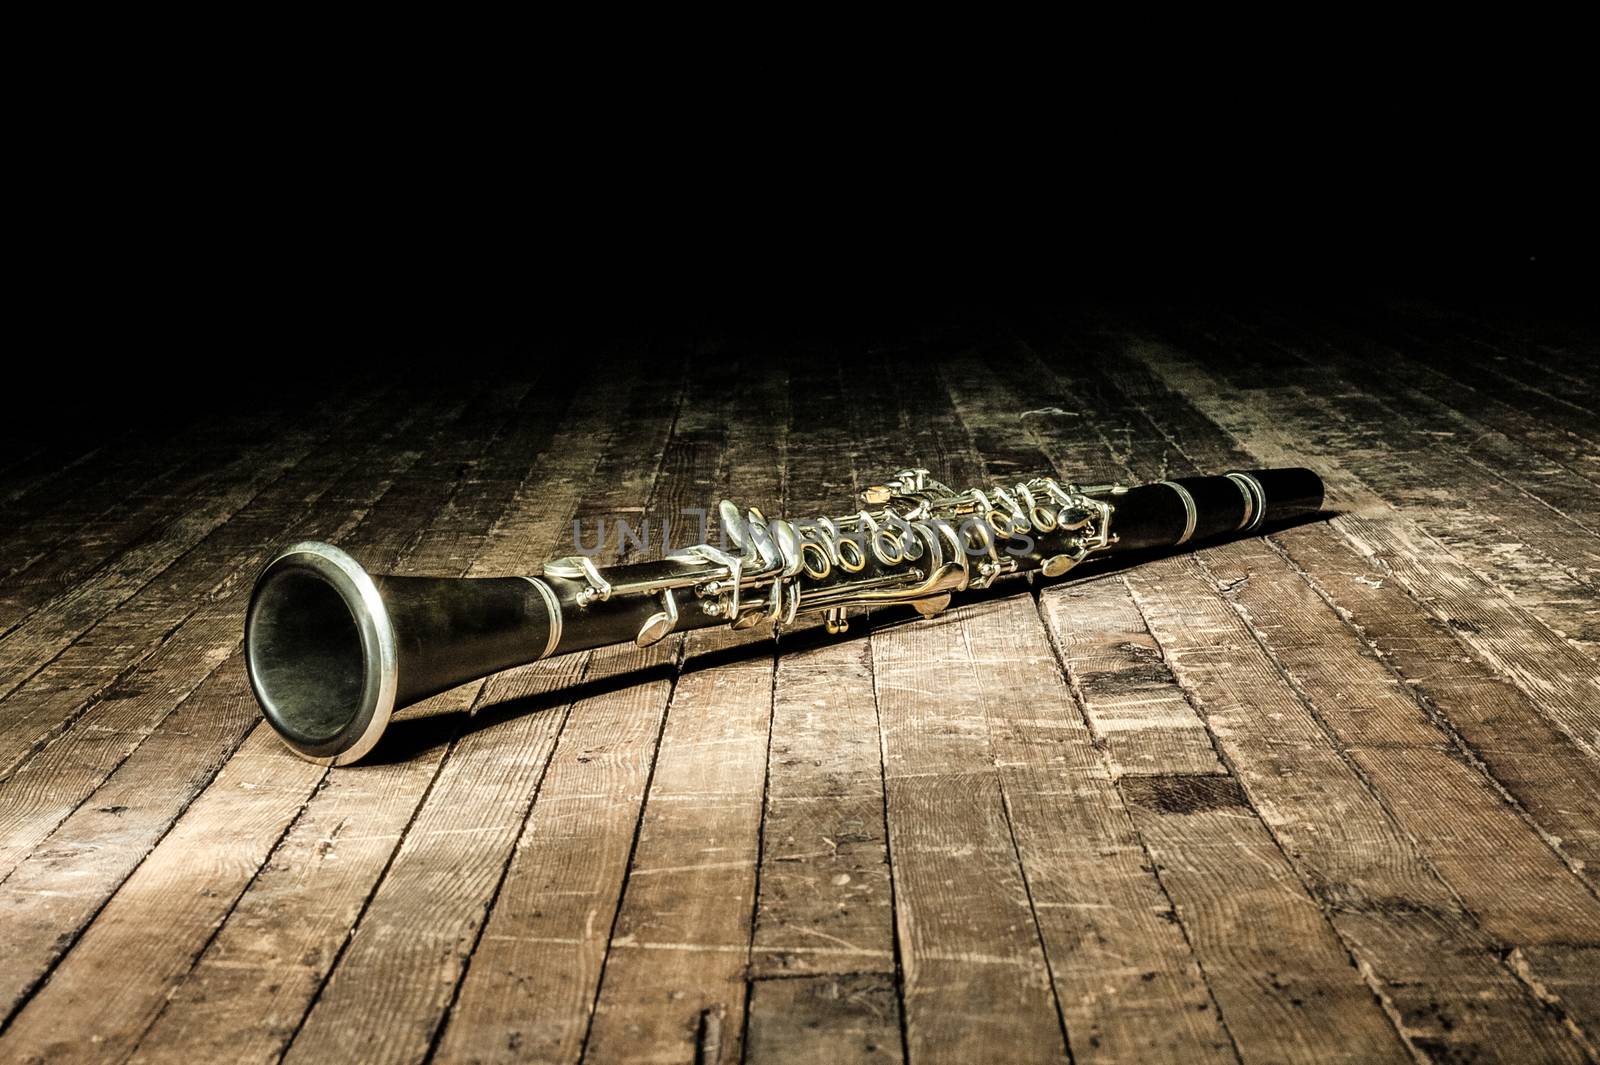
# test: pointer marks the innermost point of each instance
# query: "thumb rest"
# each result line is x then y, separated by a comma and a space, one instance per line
332, 650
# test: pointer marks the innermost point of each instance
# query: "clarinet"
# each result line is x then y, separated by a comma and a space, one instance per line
332, 650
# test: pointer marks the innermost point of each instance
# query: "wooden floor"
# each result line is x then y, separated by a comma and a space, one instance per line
1330, 795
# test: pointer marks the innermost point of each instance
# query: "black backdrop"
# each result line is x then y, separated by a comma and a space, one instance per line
167, 299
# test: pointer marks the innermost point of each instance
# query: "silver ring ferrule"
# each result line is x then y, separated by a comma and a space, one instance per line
1191, 512
554, 605
1255, 500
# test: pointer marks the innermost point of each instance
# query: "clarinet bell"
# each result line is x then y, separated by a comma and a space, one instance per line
332, 651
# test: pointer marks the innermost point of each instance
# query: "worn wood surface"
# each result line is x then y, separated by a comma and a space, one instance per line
1329, 795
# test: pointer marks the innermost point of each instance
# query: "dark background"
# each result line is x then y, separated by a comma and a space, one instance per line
249, 278
234, 224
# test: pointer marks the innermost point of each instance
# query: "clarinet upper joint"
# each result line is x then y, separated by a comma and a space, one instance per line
912, 540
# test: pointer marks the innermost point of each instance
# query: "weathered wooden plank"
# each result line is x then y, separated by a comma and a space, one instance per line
1491, 407
825, 898
1137, 715
1497, 454
752, 470
1552, 674
967, 938
1082, 431
1528, 894
1252, 914
1537, 763
1502, 439
976, 982
454, 863
425, 913
137, 494
826, 901
530, 989
1572, 404
63, 471
1557, 677
120, 613
1138, 991
1283, 978
283, 937
108, 727
1561, 680
21, 462
49, 462
1544, 560
1126, 978
834, 1017
80, 1013
135, 484
176, 620
61, 621
715, 443
1517, 888
1142, 959
531, 986
684, 923
118, 928
930, 433
680, 947
1205, 440
1540, 342
1440, 975
1406, 445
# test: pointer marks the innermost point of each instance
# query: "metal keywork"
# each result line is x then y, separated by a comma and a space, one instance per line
581, 567
658, 626
914, 540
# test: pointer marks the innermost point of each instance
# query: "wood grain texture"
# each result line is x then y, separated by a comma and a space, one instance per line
1561, 679
1352, 680
530, 990
116, 930
1538, 764
974, 969
1388, 902
1185, 825
111, 725
826, 903
1544, 553
826, 900
675, 979
167, 597
182, 709
1328, 795
680, 945
835, 1018
1501, 439
455, 854
347, 835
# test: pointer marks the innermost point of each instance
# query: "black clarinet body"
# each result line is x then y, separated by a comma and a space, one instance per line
332, 650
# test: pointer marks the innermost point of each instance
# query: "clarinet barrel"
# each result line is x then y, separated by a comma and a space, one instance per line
1185, 510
